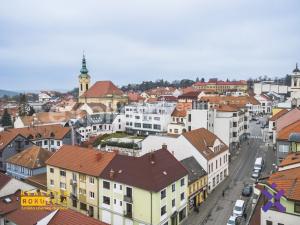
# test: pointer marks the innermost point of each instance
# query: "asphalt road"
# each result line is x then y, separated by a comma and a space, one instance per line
217, 209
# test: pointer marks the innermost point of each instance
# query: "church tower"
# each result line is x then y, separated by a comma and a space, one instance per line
295, 83
84, 78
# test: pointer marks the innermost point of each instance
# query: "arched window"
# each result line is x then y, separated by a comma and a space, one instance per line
87, 86
80, 87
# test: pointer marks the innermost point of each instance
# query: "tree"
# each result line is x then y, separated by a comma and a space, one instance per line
202, 79
6, 119
31, 111
197, 79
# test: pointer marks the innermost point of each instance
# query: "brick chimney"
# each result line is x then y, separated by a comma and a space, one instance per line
164, 146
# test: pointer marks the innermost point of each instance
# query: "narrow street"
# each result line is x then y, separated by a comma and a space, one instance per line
217, 209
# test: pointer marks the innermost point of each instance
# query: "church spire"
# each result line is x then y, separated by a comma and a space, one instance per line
83, 70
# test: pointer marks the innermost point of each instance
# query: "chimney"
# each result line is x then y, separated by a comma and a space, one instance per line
111, 174
164, 146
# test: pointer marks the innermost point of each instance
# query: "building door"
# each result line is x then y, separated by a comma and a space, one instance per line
174, 220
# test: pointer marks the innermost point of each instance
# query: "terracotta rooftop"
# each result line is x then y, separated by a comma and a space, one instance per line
278, 115
51, 117
290, 159
33, 157
6, 207
43, 132
289, 181
202, 140
285, 132
27, 217
287, 119
227, 108
95, 107
191, 94
101, 89
240, 101
181, 109
153, 171
83, 160
71, 217
4, 179
39, 181
6, 137
134, 97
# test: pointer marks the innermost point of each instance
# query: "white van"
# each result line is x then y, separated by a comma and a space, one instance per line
239, 208
259, 163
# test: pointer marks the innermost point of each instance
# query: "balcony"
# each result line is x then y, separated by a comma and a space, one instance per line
73, 182
127, 199
128, 214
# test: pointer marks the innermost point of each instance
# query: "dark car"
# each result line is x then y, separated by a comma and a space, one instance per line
247, 191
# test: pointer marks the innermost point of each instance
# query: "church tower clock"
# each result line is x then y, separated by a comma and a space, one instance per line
84, 78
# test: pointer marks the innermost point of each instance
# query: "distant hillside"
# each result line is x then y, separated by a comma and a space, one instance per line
8, 93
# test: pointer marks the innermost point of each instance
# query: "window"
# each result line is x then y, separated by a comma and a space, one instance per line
234, 134
190, 118
106, 200
92, 195
82, 206
51, 170
106, 185
173, 203
137, 124
173, 187
92, 180
45, 142
58, 143
147, 126
62, 185
52, 142
182, 182
51, 182
74, 203
163, 210
82, 191
163, 194
297, 207
62, 173
156, 127
182, 215
82, 177
182, 196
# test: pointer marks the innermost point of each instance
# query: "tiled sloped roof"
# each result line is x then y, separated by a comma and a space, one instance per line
181, 109
289, 181
202, 139
46, 131
285, 132
290, 159
191, 94
51, 117
39, 181
11, 206
71, 217
101, 89
194, 168
7, 137
227, 108
83, 160
33, 157
278, 115
4, 179
27, 217
153, 171
288, 118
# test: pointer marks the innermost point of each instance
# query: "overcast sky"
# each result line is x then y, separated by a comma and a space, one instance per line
41, 42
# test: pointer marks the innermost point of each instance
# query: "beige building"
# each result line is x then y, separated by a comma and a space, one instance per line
104, 92
72, 177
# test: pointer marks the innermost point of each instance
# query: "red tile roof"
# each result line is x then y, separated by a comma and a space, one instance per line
181, 109
39, 181
6, 208
202, 139
288, 118
290, 159
289, 181
45, 132
284, 133
278, 115
6, 137
190, 95
33, 157
71, 217
82, 160
101, 89
153, 171
4, 179
27, 217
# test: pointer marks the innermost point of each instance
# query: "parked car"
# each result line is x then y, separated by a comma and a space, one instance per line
247, 190
258, 122
239, 208
232, 220
255, 174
